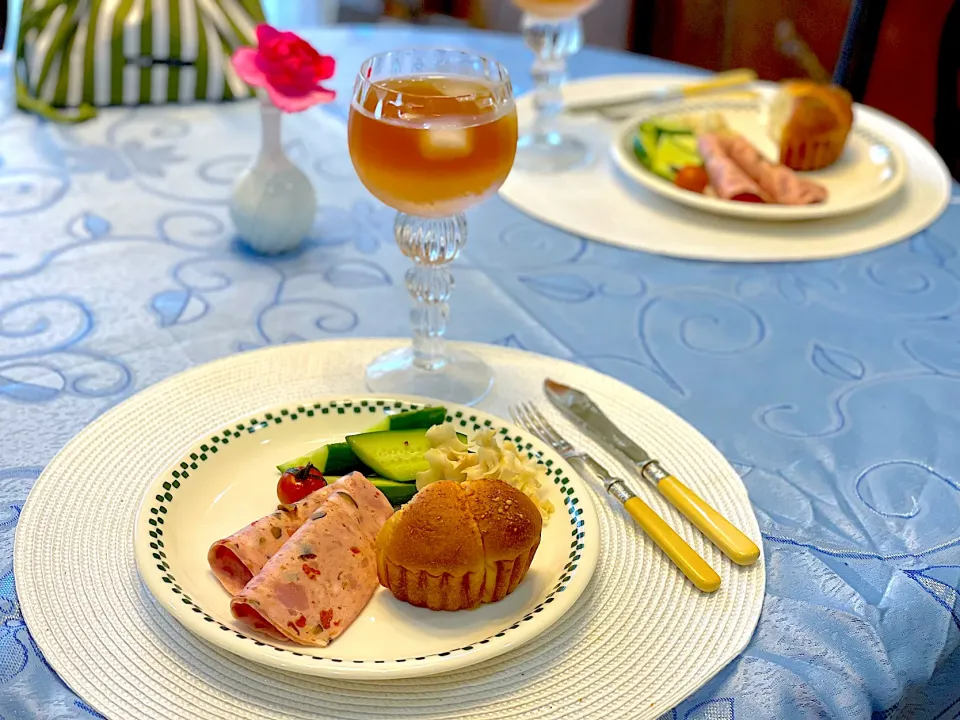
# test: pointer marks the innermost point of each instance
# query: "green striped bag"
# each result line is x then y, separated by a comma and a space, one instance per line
76, 55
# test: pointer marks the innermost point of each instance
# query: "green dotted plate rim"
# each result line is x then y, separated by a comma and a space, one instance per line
157, 508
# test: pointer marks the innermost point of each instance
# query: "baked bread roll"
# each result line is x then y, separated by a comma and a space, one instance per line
810, 122
456, 545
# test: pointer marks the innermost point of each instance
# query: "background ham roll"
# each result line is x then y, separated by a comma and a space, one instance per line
236, 559
779, 182
729, 182
321, 579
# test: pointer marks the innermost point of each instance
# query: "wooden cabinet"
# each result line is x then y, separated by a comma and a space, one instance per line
741, 33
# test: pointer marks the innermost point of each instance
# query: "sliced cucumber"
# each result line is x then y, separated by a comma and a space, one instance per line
669, 127
332, 459
415, 419
664, 147
671, 156
641, 152
397, 493
339, 459
645, 144
686, 143
425, 418
393, 454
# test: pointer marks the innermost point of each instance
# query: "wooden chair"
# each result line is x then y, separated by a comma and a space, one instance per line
856, 62
4, 16
859, 46
946, 122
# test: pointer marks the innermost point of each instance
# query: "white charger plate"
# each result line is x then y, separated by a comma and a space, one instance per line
870, 170
228, 478
641, 637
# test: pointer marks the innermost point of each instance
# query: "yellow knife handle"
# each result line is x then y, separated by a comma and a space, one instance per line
731, 78
733, 543
674, 546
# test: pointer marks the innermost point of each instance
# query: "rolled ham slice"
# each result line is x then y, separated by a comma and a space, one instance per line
236, 559
729, 182
323, 576
778, 182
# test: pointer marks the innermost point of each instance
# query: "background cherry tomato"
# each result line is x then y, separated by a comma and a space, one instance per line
296, 483
693, 178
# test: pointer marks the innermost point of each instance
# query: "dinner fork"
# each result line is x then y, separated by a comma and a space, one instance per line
674, 547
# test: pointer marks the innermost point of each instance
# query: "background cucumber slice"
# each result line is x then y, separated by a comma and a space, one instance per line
425, 418
415, 419
394, 454
342, 460
397, 493
318, 458
339, 459
332, 459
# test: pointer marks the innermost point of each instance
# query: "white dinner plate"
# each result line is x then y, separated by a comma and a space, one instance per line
228, 479
870, 170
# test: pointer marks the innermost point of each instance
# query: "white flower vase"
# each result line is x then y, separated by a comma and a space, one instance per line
273, 204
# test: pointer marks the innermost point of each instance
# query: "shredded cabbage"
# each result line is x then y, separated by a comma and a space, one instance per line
486, 456
699, 124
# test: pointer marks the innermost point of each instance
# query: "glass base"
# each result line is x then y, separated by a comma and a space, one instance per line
552, 153
463, 378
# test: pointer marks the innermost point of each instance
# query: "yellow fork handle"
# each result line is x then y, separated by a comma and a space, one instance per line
733, 543
731, 78
674, 546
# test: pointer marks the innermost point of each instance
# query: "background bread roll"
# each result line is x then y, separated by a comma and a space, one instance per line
810, 122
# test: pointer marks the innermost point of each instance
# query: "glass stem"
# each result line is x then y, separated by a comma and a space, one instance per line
552, 42
432, 243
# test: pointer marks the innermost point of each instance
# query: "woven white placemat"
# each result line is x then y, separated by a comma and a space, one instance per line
639, 640
598, 204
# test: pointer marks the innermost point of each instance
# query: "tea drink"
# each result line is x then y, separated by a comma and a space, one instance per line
432, 145
555, 8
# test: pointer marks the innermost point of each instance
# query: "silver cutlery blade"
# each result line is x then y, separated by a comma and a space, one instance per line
581, 410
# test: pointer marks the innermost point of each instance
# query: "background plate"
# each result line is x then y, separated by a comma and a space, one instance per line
640, 638
870, 170
228, 479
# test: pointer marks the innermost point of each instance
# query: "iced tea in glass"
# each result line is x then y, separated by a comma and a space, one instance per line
432, 146
555, 8
431, 133
554, 31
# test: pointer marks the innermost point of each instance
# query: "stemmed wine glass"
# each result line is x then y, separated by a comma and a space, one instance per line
554, 31
431, 133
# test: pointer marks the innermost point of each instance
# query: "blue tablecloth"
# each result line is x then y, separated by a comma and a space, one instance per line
833, 387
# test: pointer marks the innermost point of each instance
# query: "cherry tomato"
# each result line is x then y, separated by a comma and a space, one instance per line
296, 483
693, 178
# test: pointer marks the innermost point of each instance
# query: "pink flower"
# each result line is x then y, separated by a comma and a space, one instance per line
287, 67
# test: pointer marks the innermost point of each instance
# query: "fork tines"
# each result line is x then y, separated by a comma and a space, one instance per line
528, 415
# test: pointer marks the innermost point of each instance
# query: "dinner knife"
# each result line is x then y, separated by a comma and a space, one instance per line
720, 81
581, 410
689, 562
